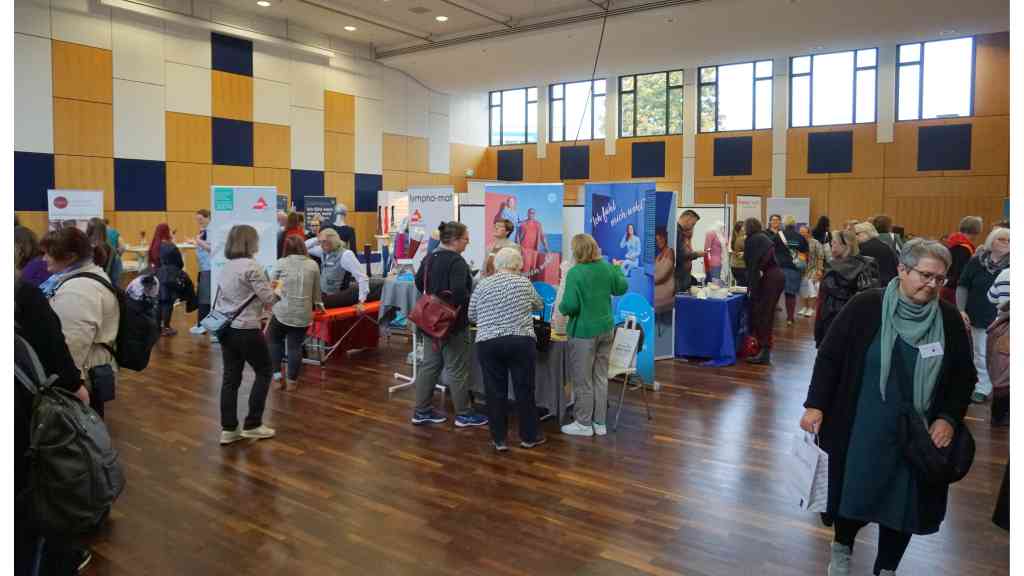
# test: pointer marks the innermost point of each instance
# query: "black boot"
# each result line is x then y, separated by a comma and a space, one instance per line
763, 357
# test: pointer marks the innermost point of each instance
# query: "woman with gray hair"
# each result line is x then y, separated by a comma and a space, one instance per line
972, 298
502, 308
890, 352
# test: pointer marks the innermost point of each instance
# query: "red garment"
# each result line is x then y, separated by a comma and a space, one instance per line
162, 232
296, 232
959, 239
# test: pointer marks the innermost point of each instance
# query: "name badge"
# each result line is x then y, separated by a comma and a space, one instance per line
931, 350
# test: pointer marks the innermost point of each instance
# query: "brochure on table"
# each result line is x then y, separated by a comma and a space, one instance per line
535, 211
235, 205
73, 207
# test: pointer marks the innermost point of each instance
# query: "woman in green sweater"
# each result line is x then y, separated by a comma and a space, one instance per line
587, 303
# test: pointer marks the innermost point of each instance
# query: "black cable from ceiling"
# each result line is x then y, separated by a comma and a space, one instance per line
593, 75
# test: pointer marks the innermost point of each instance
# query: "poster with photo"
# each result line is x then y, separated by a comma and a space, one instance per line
319, 208
234, 205
535, 211
664, 275
73, 208
428, 207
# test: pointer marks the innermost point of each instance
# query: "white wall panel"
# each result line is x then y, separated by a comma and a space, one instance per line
187, 45
469, 119
417, 109
81, 22
440, 150
307, 84
138, 120
33, 96
271, 62
393, 84
32, 17
138, 47
188, 89
439, 103
307, 138
369, 135
270, 102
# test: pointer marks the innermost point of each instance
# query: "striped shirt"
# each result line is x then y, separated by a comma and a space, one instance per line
503, 305
999, 293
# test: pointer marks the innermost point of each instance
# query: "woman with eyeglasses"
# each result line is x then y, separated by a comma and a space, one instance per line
892, 352
849, 273
972, 298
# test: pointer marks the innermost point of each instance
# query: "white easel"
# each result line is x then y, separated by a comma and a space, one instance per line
623, 361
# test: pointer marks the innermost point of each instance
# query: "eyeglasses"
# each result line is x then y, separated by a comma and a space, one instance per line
928, 277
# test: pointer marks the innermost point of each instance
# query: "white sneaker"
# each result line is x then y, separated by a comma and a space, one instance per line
277, 376
600, 429
197, 330
258, 433
577, 429
214, 339
230, 436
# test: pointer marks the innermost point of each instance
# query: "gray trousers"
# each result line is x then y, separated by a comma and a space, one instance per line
588, 367
448, 364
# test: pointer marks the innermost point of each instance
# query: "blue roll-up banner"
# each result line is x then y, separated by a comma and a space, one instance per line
235, 205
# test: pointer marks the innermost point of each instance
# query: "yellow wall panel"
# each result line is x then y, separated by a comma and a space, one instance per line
900, 156
704, 163
440, 180
82, 72
232, 175
462, 157
231, 96
272, 146
184, 223
418, 180
188, 138
394, 152
796, 155
339, 152
854, 199
551, 165
948, 200
992, 75
868, 154
600, 165
37, 222
188, 186
816, 190
86, 173
281, 178
342, 186
394, 181
673, 158
990, 147
339, 112
417, 157
137, 228
83, 128
365, 225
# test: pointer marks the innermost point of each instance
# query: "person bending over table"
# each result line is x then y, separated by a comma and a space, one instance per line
342, 278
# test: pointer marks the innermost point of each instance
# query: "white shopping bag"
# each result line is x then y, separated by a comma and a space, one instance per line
624, 349
807, 479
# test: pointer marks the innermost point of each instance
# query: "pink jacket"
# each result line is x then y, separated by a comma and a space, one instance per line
713, 248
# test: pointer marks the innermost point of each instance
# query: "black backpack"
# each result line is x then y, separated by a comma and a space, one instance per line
137, 330
74, 474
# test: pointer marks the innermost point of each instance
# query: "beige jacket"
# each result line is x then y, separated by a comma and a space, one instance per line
299, 292
89, 315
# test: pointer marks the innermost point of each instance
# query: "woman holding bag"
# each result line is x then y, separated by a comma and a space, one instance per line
889, 356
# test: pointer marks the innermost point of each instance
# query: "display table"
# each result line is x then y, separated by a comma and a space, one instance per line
710, 328
551, 388
341, 329
399, 294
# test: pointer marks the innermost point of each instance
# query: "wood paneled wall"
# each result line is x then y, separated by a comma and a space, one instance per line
407, 164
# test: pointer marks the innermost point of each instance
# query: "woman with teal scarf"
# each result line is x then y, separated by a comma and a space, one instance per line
889, 348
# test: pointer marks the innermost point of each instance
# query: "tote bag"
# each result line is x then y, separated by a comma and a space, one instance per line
807, 478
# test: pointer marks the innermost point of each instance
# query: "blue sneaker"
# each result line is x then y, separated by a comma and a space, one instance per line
470, 420
428, 417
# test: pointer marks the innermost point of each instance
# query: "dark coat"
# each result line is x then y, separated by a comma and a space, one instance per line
884, 256
839, 368
448, 272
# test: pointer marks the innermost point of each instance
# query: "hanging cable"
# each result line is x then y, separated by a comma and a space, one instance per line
593, 75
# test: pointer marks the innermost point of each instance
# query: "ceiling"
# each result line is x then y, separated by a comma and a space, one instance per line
702, 32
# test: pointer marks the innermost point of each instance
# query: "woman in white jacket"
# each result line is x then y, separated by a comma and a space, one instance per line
88, 310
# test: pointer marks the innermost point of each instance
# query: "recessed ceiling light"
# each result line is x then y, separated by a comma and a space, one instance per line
670, 20
263, 3
947, 32
441, 18
350, 28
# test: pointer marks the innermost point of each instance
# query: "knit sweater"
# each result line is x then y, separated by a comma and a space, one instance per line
587, 299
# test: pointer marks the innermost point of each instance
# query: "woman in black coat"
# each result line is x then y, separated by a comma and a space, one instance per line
764, 285
856, 411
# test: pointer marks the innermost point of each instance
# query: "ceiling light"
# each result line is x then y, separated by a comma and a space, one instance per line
670, 20
350, 28
263, 3
947, 32
441, 18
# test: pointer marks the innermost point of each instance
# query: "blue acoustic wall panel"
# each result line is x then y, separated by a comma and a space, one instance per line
367, 187
944, 147
830, 152
230, 54
140, 185
649, 159
734, 156
33, 176
306, 183
574, 162
510, 165
232, 142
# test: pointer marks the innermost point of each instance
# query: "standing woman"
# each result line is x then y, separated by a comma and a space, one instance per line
972, 298
243, 292
587, 302
96, 230
848, 274
812, 275
298, 279
631, 242
203, 247
793, 264
714, 243
737, 263
664, 273
764, 285
891, 350
502, 308
166, 259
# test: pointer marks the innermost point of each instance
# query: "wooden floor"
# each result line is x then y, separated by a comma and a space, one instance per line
350, 487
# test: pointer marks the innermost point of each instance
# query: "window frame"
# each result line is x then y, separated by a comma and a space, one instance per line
668, 101
810, 75
753, 91
920, 77
590, 102
501, 116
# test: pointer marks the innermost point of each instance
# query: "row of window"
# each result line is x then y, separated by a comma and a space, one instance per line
934, 80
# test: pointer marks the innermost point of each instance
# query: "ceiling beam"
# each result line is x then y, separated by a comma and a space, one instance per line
371, 21
503, 22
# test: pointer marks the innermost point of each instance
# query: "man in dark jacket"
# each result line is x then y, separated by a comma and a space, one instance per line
883, 255
685, 254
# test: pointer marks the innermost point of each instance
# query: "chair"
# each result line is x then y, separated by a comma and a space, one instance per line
623, 361
547, 293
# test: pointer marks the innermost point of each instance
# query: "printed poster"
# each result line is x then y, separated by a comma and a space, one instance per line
319, 208
428, 207
73, 207
235, 205
535, 211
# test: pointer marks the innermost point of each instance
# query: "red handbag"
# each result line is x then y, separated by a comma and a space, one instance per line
432, 315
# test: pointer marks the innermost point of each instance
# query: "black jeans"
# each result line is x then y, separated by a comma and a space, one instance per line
740, 274
891, 543
166, 309
350, 296
238, 348
278, 333
499, 357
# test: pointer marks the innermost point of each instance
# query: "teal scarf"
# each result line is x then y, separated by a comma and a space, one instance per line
917, 325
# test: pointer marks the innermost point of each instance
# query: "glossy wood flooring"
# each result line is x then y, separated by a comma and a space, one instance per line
350, 487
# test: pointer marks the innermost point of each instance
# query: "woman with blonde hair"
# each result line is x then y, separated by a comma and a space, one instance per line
587, 303
299, 290
972, 299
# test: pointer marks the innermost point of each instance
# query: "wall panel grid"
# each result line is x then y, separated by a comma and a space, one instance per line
82, 72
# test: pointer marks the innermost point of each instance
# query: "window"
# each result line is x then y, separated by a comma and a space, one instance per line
837, 88
577, 110
736, 97
651, 104
935, 79
513, 117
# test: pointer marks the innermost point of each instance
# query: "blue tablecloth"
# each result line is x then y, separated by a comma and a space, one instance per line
710, 328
